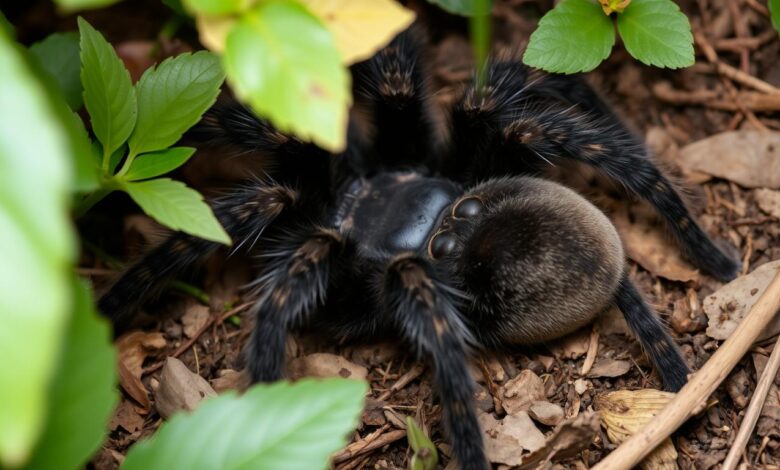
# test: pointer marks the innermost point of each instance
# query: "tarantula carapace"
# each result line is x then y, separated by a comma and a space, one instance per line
452, 247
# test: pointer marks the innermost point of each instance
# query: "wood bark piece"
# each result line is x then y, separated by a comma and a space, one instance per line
701, 385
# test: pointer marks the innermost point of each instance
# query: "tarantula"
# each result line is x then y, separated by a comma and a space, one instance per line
453, 247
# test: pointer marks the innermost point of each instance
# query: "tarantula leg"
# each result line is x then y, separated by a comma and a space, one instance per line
653, 337
293, 285
423, 309
244, 215
605, 144
392, 84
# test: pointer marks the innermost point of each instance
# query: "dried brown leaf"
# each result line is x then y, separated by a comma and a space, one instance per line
520, 392
647, 243
768, 201
607, 367
747, 157
546, 413
194, 318
506, 439
326, 365
727, 306
180, 389
566, 441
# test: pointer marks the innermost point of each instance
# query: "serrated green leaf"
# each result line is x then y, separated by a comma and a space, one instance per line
774, 11
37, 248
85, 169
573, 37
154, 164
58, 54
83, 392
425, 456
657, 33
172, 97
217, 7
458, 7
6, 27
175, 205
281, 426
73, 5
285, 63
108, 91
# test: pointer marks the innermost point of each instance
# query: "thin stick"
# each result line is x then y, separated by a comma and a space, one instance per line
402, 381
754, 410
214, 320
593, 350
738, 76
701, 385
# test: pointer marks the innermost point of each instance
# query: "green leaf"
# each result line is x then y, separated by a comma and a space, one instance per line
425, 456
281, 426
36, 247
108, 91
573, 37
457, 7
175, 5
6, 27
175, 205
85, 170
83, 392
73, 5
217, 7
774, 10
172, 98
154, 164
58, 54
657, 33
285, 63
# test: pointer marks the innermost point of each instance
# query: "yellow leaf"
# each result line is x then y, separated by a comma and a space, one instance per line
213, 30
610, 6
361, 27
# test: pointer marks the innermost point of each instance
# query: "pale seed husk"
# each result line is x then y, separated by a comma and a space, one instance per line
624, 412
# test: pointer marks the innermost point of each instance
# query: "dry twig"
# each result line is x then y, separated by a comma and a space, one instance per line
701, 385
214, 320
754, 410
402, 382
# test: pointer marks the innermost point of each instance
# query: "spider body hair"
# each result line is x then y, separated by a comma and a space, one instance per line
452, 248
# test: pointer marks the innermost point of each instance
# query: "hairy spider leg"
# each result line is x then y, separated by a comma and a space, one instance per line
550, 130
297, 273
393, 87
423, 309
244, 214
652, 335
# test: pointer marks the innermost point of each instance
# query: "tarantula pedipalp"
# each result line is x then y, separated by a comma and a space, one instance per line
451, 249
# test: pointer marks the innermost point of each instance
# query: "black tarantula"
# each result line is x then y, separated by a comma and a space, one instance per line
453, 247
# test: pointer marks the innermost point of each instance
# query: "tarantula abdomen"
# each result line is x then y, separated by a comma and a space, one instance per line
538, 259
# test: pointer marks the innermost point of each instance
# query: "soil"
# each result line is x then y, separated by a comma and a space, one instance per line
742, 37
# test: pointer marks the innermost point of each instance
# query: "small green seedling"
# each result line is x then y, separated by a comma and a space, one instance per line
577, 35
424, 455
135, 126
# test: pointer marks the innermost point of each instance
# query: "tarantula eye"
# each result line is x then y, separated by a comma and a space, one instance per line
441, 245
466, 208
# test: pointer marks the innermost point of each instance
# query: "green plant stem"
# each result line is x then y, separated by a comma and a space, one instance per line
192, 291
480, 38
89, 201
126, 166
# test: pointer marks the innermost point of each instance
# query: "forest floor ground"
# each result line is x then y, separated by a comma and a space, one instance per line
672, 109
